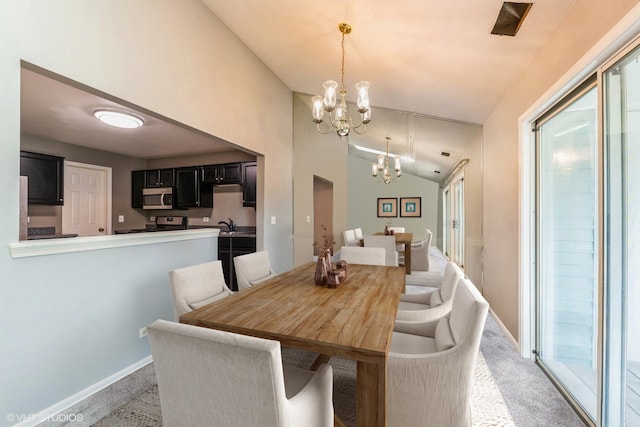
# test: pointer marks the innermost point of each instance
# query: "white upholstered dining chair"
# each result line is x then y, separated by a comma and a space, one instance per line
386, 242
358, 232
429, 376
252, 269
196, 286
362, 255
429, 306
208, 377
349, 237
420, 253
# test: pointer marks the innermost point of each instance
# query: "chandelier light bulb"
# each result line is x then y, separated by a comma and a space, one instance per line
318, 110
362, 89
330, 90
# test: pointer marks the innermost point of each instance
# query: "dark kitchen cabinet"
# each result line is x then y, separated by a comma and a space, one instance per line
230, 247
45, 178
250, 174
137, 185
155, 178
226, 173
190, 193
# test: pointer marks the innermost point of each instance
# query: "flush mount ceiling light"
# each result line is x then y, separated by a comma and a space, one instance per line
338, 113
118, 119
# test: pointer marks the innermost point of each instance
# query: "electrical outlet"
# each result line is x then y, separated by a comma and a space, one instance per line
205, 219
152, 219
273, 220
308, 218
142, 332
120, 218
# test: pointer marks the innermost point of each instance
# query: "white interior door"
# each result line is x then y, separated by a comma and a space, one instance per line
87, 206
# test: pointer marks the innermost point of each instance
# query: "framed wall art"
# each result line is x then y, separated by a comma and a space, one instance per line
387, 207
411, 207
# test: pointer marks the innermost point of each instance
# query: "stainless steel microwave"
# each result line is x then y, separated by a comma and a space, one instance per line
157, 198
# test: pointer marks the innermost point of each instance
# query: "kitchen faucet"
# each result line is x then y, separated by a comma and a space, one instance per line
230, 224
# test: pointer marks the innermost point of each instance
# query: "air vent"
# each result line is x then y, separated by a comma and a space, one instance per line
510, 18
445, 154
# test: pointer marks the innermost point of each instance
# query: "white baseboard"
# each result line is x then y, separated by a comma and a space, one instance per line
76, 398
504, 329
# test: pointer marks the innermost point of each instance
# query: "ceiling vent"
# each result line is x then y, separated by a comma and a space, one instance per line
510, 18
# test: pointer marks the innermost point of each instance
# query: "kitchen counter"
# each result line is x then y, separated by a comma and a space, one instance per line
241, 231
41, 233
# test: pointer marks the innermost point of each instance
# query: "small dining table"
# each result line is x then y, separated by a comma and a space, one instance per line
354, 321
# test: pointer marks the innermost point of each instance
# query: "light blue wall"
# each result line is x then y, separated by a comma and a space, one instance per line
71, 320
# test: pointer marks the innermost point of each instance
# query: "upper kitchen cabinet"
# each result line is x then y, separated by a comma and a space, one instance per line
159, 178
45, 177
226, 173
137, 185
250, 174
190, 192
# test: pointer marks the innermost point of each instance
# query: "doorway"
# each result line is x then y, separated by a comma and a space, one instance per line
87, 208
322, 215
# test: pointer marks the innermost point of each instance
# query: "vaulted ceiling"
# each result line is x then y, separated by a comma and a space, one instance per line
436, 71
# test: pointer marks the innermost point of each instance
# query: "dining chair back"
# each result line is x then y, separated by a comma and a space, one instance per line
386, 242
358, 232
196, 286
252, 269
362, 255
208, 377
350, 238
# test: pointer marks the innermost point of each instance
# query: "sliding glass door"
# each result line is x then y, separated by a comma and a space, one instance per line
622, 242
567, 246
588, 243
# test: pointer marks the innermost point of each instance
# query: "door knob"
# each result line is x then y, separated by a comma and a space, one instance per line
101, 229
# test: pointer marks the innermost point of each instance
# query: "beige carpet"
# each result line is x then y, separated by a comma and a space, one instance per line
488, 407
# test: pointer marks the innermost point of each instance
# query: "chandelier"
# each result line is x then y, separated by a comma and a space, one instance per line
338, 112
383, 165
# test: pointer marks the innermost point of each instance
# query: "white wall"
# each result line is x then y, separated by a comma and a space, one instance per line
70, 320
584, 25
320, 155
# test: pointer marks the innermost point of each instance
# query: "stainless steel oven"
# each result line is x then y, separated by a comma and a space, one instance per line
157, 198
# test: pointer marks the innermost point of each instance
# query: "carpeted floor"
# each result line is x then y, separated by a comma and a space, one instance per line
487, 404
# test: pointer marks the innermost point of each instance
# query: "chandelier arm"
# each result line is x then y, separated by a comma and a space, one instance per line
323, 132
360, 132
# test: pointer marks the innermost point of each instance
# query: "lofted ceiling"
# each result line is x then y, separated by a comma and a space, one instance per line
436, 75
426, 60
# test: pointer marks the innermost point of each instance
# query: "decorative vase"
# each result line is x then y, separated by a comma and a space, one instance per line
386, 230
323, 266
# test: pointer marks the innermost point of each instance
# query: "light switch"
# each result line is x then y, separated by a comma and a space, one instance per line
120, 218
273, 220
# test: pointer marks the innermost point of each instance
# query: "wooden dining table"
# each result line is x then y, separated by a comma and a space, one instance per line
354, 321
